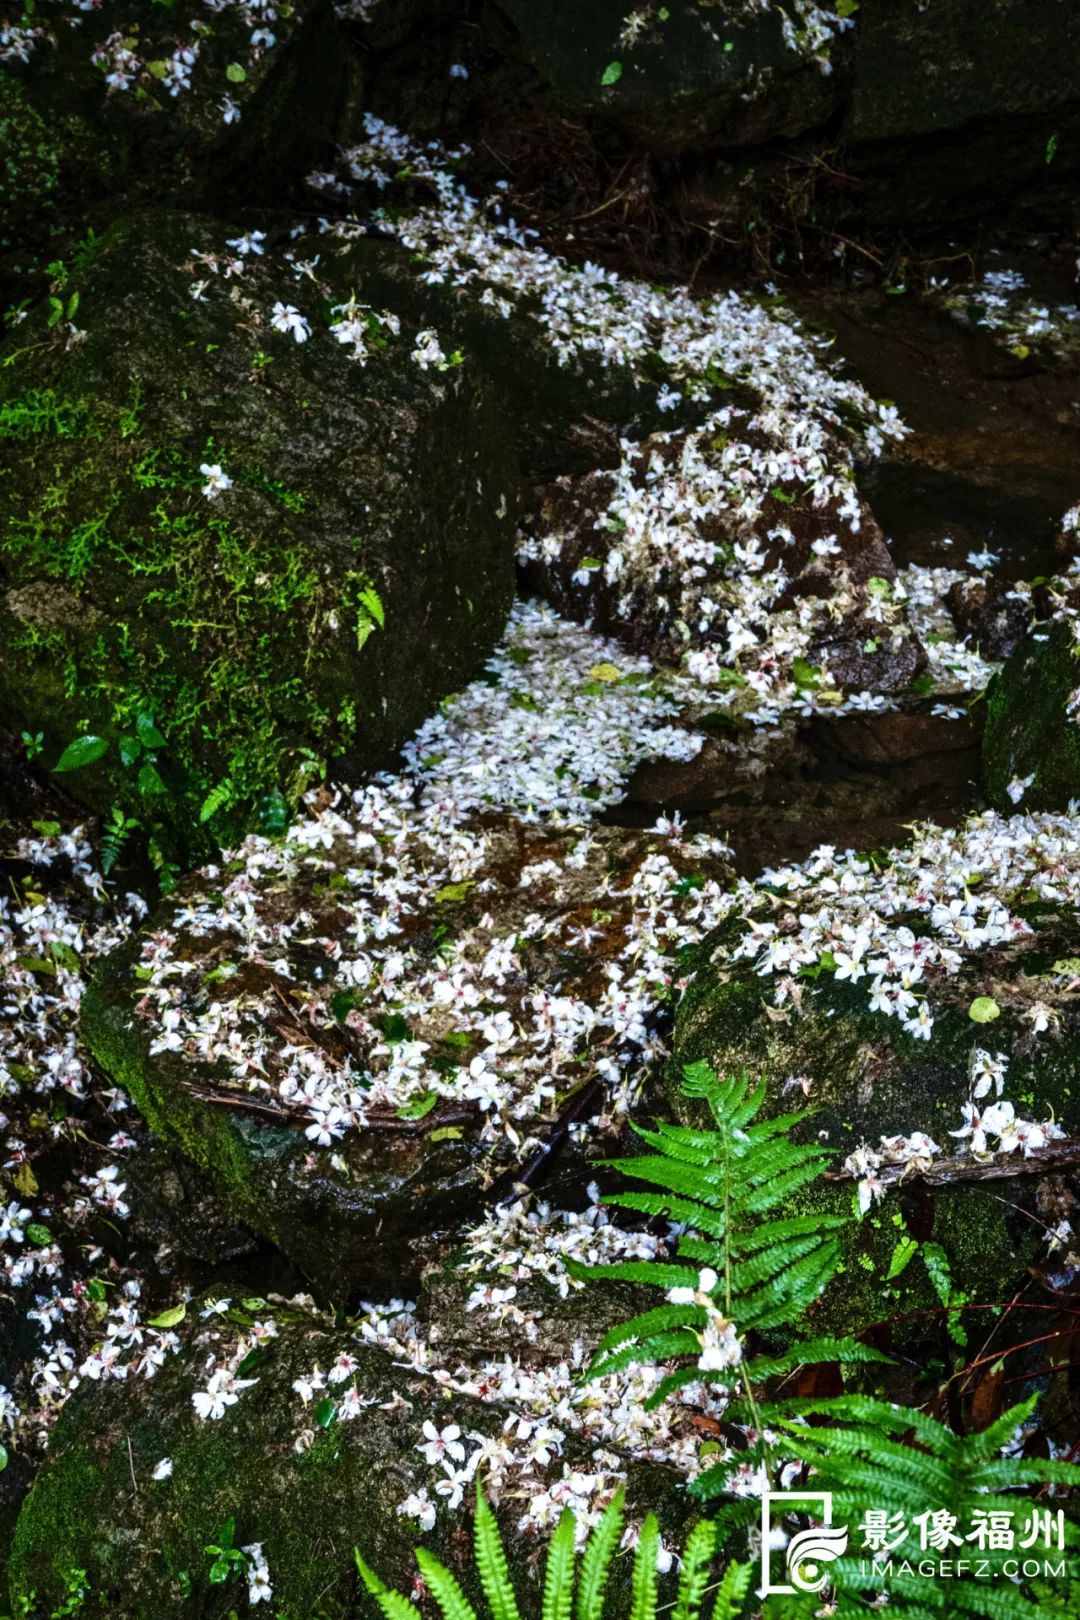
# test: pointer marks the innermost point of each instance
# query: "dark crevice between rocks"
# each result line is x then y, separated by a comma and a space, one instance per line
856, 781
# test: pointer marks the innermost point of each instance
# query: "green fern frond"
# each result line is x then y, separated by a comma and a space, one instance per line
661, 1320
391, 1605
644, 1579
662, 1347
730, 1190
873, 1456
491, 1563
560, 1576
444, 1587
694, 1575
731, 1592
219, 797
723, 1186
559, 1571
596, 1560
809, 1353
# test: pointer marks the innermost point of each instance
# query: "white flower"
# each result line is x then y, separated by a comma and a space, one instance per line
260, 1589
251, 242
222, 1390
217, 480
441, 1443
419, 1506
163, 1469
427, 351
1019, 786
287, 318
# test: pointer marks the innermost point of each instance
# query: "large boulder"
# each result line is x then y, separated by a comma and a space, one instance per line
683, 78
1031, 746
569, 402
922, 1004
364, 1031
243, 533
936, 109
381, 1428
918, 73
105, 104
709, 541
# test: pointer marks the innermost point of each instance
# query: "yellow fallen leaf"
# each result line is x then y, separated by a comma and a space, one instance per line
25, 1181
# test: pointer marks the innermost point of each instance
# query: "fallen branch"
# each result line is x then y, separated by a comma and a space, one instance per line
284, 1115
950, 1172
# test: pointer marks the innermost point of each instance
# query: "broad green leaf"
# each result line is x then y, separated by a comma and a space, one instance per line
150, 781
83, 751
170, 1318
149, 735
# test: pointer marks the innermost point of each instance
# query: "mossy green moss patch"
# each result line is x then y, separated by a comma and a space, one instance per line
233, 557
1032, 739
922, 1246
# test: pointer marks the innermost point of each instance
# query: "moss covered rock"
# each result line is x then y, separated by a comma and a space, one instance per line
921, 74
226, 525
868, 1081
307, 1490
683, 76
1031, 744
102, 105
586, 550
323, 1444
360, 1030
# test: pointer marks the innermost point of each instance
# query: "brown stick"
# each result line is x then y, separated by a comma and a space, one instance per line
296, 1116
947, 1172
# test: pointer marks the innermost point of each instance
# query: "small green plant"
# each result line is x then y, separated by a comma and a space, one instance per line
753, 1272
227, 1561
77, 1590
572, 1587
735, 1272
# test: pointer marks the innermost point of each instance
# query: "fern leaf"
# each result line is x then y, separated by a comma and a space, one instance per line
689, 1180
643, 1581
391, 1604
809, 1353
596, 1560
661, 1347
685, 1210
694, 1575
767, 1234
644, 1271
651, 1322
444, 1587
782, 1300
731, 1592
217, 798
671, 1385
491, 1563
989, 1441
769, 1264
374, 1583
559, 1571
